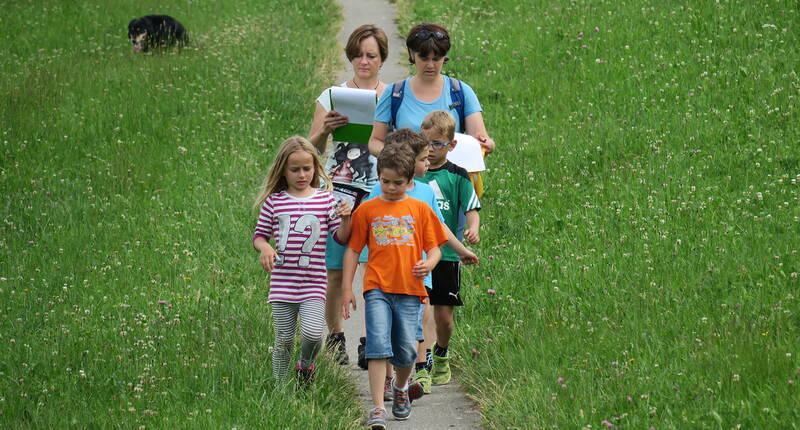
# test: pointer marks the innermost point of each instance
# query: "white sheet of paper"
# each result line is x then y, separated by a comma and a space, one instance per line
358, 105
467, 153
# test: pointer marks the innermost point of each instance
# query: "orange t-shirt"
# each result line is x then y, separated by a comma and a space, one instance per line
395, 233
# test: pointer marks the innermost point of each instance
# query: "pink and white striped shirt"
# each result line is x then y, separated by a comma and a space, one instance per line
300, 228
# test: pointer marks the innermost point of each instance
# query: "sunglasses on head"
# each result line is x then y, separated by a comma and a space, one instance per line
427, 34
437, 144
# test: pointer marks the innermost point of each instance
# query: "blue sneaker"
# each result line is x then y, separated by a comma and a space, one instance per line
401, 402
376, 419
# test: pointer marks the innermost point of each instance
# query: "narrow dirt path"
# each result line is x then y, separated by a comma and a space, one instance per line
446, 407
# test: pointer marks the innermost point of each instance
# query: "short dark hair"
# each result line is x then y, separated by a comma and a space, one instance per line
438, 47
353, 48
398, 158
407, 138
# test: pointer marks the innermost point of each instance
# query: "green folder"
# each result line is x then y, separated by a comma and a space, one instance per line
356, 133
351, 132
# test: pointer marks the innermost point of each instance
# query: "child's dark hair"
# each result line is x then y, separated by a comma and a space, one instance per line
408, 138
398, 158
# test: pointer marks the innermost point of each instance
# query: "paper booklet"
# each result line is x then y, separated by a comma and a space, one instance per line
359, 107
467, 153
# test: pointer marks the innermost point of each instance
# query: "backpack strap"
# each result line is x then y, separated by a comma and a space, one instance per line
397, 98
457, 96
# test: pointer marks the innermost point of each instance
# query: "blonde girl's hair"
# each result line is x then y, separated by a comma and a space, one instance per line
275, 182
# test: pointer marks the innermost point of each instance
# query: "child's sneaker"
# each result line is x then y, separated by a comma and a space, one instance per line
440, 374
305, 376
424, 379
336, 346
376, 419
415, 390
387, 389
362, 358
401, 403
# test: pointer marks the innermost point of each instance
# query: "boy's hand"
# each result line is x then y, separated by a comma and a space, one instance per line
421, 269
469, 258
348, 299
472, 236
343, 209
267, 258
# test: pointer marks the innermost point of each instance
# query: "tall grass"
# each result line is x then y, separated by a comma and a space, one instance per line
131, 296
640, 228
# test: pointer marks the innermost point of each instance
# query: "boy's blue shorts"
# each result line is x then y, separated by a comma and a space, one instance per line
392, 321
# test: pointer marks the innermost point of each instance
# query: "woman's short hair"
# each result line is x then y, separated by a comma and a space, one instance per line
353, 47
426, 39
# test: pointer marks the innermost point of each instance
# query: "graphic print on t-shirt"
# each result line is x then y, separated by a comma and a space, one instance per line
441, 202
300, 226
350, 163
388, 230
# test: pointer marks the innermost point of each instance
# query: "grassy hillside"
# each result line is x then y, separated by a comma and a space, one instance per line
131, 296
641, 222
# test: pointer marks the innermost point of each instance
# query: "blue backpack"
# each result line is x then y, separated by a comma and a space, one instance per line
456, 95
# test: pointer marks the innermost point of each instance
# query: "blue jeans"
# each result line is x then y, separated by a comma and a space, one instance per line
392, 321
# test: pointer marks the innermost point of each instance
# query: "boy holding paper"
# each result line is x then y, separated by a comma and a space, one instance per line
455, 196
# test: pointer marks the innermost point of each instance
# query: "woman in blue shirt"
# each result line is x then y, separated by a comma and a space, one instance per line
428, 90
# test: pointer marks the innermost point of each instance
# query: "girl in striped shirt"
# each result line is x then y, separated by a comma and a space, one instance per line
297, 214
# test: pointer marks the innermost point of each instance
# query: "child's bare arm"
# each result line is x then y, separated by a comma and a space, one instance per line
348, 273
467, 256
343, 233
268, 254
471, 233
423, 267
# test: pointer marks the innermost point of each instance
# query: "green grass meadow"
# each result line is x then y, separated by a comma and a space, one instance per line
130, 294
640, 230
641, 222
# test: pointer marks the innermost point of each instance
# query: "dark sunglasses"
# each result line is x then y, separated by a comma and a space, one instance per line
427, 34
437, 144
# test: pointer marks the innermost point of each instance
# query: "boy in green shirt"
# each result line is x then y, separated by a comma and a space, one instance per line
455, 197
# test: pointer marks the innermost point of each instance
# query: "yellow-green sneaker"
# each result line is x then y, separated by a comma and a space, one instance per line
424, 378
440, 373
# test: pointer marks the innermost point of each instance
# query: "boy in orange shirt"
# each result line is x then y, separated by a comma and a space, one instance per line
396, 229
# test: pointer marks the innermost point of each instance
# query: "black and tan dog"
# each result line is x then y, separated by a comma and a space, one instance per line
156, 30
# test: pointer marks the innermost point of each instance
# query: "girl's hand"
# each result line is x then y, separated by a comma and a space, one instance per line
421, 269
267, 259
472, 236
332, 121
343, 209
